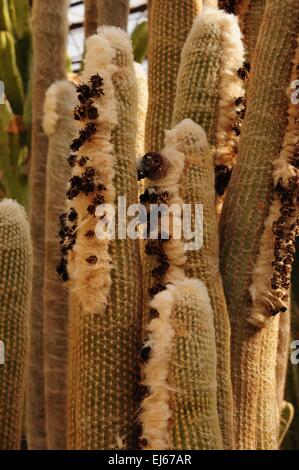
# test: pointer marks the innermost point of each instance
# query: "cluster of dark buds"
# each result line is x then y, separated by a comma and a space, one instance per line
93, 90
72, 160
240, 103
67, 234
85, 111
153, 166
84, 134
222, 177
82, 184
227, 5
285, 229
243, 72
151, 196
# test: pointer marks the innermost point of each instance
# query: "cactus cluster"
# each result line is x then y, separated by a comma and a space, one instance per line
177, 337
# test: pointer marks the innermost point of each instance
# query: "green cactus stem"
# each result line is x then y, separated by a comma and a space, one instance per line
169, 25
15, 290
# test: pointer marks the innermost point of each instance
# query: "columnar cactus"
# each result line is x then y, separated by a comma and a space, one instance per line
250, 14
197, 186
283, 356
182, 326
104, 276
60, 128
169, 26
244, 213
49, 28
209, 86
15, 289
113, 13
90, 17
213, 46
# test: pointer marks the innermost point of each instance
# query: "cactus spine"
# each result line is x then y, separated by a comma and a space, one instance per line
60, 128
106, 325
49, 23
15, 289
169, 25
262, 135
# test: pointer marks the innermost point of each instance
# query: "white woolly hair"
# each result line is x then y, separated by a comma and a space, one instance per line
282, 166
91, 283
117, 38
174, 248
141, 79
230, 85
155, 409
260, 288
51, 117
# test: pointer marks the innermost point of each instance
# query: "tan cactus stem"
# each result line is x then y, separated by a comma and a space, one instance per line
15, 290
60, 128
49, 31
85, 278
197, 187
245, 211
105, 321
283, 355
213, 54
182, 327
250, 14
209, 86
169, 25
90, 17
113, 13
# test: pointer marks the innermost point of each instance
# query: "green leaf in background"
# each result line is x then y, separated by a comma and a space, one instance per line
139, 41
5, 21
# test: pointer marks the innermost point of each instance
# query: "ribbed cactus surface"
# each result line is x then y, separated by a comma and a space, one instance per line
244, 212
60, 128
15, 290
197, 187
49, 31
113, 13
169, 26
180, 407
209, 88
105, 339
250, 13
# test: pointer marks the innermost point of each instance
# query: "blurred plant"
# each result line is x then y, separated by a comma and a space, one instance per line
139, 41
15, 117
